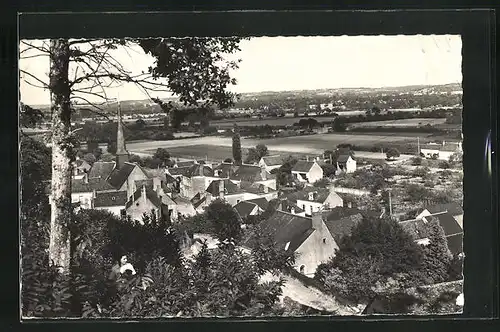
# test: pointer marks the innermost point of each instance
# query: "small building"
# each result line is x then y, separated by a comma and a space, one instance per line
307, 171
271, 162
247, 208
346, 163
144, 201
308, 238
112, 201
233, 193
312, 199
452, 208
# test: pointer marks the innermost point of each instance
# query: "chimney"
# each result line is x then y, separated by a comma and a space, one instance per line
143, 193
221, 189
349, 205
200, 169
311, 196
317, 220
292, 210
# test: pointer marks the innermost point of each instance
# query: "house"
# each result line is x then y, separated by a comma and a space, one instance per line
346, 163
145, 201
452, 208
83, 190
195, 179
308, 238
247, 208
453, 231
312, 199
440, 151
233, 193
253, 174
184, 207
112, 201
307, 171
123, 178
290, 206
271, 162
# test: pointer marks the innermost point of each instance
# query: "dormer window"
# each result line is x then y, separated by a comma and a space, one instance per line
311, 196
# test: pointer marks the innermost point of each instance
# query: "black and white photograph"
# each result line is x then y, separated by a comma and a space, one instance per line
248, 177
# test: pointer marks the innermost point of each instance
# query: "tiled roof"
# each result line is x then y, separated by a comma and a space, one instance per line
188, 163
448, 223
181, 200
287, 205
249, 173
150, 195
285, 227
225, 169
342, 227
303, 166
179, 170
148, 183
195, 171
101, 169
198, 202
244, 208
119, 176
79, 185
112, 198
343, 158
273, 160
455, 243
453, 208
340, 212
155, 173
320, 194
261, 202
229, 187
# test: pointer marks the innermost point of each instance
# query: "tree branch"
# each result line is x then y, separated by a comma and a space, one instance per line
33, 76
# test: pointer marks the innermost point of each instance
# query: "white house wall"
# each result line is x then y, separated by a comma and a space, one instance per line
309, 207
116, 210
312, 252
85, 199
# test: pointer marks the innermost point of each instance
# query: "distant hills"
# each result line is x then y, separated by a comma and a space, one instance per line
298, 94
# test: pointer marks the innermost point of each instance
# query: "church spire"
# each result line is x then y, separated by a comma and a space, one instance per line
121, 152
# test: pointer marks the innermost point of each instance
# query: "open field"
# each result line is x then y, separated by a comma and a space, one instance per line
285, 121
401, 123
216, 147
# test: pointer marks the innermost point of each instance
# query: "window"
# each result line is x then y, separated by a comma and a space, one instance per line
123, 213
302, 268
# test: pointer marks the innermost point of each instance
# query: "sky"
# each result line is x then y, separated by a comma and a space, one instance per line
302, 63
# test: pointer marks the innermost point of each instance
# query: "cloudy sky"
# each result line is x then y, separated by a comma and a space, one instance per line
299, 63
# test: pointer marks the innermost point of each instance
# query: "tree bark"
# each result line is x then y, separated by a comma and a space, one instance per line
59, 247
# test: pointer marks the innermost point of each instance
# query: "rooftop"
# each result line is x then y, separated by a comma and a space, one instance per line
112, 198
150, 195
303, 166
95, 184
101, 169
273, 160
244, 208
119, 175
343, 226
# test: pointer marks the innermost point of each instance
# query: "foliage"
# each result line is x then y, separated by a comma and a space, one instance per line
284, 175
436, 256
455, 268
228, 160
416, 161
417, 193
321, 183
90, 158
392, 153
375, 250
255, 154
328, 170
35, 164
421, 171
225, 220
444, 164
236, 146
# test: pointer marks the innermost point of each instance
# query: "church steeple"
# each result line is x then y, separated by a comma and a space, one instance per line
122, 155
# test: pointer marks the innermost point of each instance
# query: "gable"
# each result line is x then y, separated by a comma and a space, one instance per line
119, 176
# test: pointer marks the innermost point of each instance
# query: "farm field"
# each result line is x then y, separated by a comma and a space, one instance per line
402, 123
285, 121
215, 147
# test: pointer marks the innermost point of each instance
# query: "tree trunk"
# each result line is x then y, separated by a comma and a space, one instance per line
59, 247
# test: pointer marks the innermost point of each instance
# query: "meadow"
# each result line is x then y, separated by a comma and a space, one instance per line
401, 123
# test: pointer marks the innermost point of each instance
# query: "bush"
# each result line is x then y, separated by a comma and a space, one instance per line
416, 161
444, 164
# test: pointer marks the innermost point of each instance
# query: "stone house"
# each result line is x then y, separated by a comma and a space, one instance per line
346, 163
307, 171
312, 199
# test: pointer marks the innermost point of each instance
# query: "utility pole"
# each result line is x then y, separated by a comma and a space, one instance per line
390, 203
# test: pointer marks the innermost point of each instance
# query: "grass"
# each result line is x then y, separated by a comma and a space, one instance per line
402, 123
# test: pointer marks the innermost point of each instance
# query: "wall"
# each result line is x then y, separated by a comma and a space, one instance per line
314, 252
116, 210
235, 199
352, 191
139, 207
185, 209
333, 200
445, 155
350, 165
315, 173
268, 183
85, 199
308, 206
136, 175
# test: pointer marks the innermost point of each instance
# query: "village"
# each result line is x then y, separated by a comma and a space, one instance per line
307, 202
